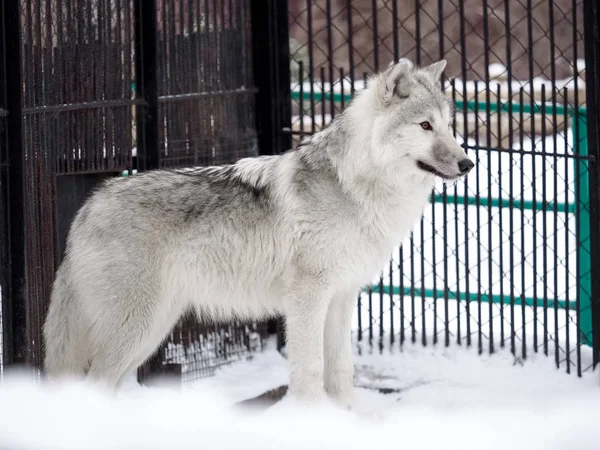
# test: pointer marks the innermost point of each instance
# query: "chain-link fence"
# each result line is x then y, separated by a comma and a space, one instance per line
501, 259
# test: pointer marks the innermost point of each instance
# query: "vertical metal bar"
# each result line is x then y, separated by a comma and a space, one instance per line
15, 304
544, 223
434, 273
342, 90
418, 31
433, 258
463, 54
330, 59
350, 41
391, 293
510, 146
375, 36
478, 217
423, 287
413, 325
359, 314
488, 139
511, 232
311, 64
323, 99
555, 229
370, 296
567, 233
445, 262
456, 236
583, 230
523, 284
441, 35
271, 73
554, 178
401, 291
381, 324
500, 214
578, 193
301, 103
146, 83
444, 194
395, 30
533, 170
592, 121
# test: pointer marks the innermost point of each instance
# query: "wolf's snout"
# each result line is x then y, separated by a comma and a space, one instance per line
465, 166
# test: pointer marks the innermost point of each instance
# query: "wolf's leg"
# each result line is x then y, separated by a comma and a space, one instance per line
306, 309
339, 367
125, 344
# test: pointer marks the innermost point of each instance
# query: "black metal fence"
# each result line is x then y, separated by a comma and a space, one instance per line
506, 258
96, 89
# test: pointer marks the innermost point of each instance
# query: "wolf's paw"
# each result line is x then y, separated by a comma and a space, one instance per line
313, 397
362, 408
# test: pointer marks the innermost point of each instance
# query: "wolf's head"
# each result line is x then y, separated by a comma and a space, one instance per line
412, 122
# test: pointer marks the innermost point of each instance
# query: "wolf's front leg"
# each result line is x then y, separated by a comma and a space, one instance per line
305, 320
339, 367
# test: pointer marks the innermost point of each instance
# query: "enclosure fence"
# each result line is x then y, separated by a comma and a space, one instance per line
95, 89
503, 258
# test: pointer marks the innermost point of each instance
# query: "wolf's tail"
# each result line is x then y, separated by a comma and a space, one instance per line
64, 343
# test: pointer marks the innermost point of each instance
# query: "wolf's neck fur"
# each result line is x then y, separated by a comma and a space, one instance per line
347, 144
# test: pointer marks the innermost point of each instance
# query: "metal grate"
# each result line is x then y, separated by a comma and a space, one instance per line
206, 116
205, 88
201, 349
81, 110
502, 259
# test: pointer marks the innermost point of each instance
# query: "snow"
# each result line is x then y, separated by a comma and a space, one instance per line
451, 398
441, 397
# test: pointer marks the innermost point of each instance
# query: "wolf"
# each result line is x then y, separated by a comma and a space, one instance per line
296, 234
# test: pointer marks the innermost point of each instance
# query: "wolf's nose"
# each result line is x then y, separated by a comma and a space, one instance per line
465, 166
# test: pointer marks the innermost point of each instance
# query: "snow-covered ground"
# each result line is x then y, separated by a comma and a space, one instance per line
439, 398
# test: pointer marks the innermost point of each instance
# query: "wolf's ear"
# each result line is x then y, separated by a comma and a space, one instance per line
391, 79
436, 69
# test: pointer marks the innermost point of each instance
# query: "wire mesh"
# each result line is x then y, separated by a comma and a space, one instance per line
206, 95
206, 117
500, 259
78, 67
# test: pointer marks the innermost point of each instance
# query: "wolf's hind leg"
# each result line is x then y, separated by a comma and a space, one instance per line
126, 345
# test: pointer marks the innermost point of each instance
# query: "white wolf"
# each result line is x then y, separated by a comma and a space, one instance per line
296, 234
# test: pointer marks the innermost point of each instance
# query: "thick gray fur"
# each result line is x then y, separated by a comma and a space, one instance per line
298, 234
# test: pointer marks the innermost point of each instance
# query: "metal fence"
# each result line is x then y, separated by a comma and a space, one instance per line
503, 258
3, 193
95, 89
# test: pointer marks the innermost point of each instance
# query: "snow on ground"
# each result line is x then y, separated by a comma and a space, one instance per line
441, 398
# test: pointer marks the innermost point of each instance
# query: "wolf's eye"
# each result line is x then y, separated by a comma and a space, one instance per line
426, 125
